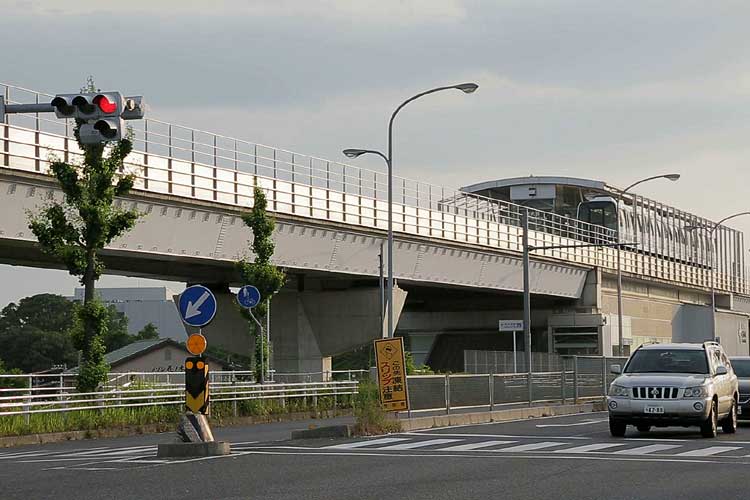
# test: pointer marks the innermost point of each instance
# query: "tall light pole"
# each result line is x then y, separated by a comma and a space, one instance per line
467, 88
671, 177
711, 230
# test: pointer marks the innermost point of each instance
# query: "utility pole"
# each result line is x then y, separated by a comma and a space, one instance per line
526, 295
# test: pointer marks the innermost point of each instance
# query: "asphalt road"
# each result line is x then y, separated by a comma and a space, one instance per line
562, 458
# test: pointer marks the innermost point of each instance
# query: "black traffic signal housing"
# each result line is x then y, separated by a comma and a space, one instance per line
102, 113
196, 384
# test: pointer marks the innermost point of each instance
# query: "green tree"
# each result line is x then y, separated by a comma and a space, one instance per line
35, 333
9, 383
266, 277
39, 331
117, 335
76, 229
148, 332
45, 311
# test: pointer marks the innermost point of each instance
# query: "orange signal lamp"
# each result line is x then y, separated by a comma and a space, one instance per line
196, 344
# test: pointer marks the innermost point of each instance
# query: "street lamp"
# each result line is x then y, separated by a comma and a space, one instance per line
467, 88
712, 237
671, 177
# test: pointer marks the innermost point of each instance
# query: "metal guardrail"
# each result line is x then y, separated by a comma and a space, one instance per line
34, 403
197, 164
64, 383
584, 378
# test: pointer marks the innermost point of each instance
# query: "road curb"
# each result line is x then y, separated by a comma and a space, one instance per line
331, 431
421, 423
59, 437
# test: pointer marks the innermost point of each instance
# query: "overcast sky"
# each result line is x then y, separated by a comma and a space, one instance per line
610, 90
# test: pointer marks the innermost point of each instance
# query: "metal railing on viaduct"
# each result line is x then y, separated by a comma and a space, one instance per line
194, 164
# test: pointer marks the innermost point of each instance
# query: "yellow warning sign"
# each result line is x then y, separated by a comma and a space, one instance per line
391, 362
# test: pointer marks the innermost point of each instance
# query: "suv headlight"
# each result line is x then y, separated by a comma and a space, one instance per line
695, 392
618, 391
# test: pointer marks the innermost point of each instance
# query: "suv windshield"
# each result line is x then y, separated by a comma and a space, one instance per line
668, 361
741, 367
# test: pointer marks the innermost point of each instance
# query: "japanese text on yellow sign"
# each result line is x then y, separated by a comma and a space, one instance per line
389, 356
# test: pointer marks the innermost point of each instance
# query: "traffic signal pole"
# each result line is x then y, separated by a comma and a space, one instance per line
9, 109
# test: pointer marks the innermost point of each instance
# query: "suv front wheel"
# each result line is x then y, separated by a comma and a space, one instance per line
617, 429
710, 428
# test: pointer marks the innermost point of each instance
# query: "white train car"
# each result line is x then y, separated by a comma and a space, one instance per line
651, 229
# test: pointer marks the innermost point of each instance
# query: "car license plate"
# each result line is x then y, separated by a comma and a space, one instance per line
653, 409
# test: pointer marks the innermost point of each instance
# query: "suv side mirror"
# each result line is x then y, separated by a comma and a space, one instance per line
722, 370
616, 369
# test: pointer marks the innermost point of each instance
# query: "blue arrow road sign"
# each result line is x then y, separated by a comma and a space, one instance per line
197, 305
248, 296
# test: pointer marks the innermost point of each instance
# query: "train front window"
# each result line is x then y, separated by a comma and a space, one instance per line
601, 213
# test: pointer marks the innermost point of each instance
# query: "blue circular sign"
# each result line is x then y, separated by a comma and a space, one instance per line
248, 296
197, 305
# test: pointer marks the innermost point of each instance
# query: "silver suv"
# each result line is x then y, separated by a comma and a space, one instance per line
674, 384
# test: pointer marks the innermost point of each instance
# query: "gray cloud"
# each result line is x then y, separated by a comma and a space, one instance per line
610, 90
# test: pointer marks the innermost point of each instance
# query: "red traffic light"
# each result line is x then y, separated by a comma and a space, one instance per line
105, 105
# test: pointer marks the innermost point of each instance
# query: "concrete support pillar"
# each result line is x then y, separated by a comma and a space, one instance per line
307, 327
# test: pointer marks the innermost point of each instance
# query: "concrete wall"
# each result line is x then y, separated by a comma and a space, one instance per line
307, 327
732, 331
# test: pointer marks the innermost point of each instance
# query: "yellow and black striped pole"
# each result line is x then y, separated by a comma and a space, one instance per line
196, 384
196, 375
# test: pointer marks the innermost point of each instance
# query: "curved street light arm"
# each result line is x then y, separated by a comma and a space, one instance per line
400, 107
374, 152
716, 225
665, 176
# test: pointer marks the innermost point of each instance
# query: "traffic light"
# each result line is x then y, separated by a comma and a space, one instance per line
196, 384
103, 113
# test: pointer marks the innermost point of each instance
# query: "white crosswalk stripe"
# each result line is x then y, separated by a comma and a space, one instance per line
530, 447
475, 446
706, 452
418, 444
645, 450
370, 442
589, 448
448, 445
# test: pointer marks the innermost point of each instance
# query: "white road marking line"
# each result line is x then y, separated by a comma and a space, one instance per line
610, 457
42, 453
370, 442
589, 448
644, 450
586, 422
417, 444
510, 436
530, 446
112, 453
430, 431
706, 452
25, 454
661, 440
475, 446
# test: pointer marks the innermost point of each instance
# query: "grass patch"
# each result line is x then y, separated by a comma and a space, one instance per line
118, 418
370, 416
